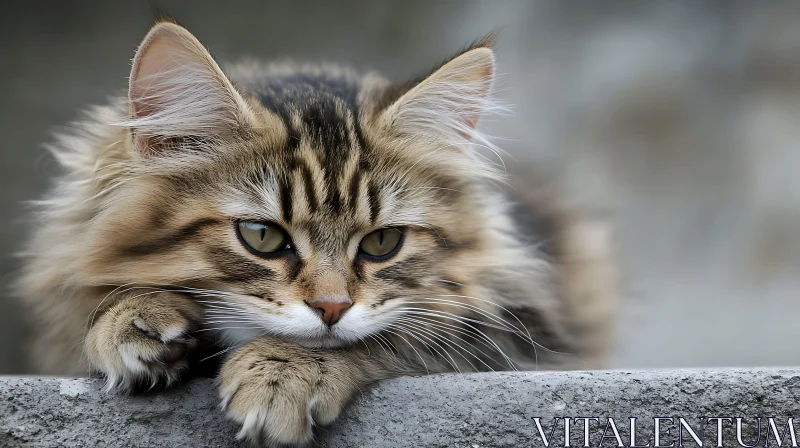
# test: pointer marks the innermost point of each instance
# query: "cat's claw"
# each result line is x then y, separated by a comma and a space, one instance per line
142, 343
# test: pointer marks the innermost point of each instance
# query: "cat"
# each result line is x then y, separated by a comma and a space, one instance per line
319, 229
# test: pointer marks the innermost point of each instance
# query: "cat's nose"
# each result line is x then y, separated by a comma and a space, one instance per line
332, 308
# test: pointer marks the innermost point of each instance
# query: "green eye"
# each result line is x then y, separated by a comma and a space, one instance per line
382, 243
263, 238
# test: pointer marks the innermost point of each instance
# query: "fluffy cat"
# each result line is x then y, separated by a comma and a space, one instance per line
318, 229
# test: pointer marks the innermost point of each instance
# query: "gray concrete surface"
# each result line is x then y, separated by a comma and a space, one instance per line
478, 410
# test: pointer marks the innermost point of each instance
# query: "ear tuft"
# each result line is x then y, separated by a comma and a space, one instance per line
178, 91
447, 105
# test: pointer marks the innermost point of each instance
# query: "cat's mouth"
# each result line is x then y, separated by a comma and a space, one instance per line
328, 339
344, 333
303, 326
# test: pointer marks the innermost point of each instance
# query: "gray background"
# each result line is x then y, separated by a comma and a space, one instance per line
680, 120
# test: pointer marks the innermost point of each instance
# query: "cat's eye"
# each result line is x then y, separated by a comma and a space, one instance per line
382, 244
263, 238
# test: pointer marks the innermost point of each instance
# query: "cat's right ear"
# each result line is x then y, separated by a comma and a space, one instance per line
178, 92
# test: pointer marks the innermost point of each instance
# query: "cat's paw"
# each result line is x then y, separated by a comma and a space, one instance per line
143, 340
278, 391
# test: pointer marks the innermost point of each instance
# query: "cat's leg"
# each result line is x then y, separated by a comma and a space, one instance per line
277, 390
143, 339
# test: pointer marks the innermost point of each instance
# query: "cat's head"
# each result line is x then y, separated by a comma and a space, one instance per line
305, 202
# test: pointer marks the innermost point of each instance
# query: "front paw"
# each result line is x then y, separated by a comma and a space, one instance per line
278, 391
143, 340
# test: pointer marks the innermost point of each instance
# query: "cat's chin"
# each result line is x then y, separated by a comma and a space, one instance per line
237, 336
322, 342
330, 339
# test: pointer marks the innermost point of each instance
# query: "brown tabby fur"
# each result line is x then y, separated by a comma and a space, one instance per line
135, 259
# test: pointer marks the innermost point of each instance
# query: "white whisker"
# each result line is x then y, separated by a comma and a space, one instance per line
443, 353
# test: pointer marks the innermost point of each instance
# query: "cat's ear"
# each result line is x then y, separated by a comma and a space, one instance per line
447, 104
177, 92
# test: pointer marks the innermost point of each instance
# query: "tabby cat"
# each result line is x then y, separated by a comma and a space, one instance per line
314, 229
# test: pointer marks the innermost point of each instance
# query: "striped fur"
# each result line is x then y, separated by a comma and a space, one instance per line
138, 239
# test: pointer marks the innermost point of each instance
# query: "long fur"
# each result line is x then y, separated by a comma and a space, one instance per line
134, 260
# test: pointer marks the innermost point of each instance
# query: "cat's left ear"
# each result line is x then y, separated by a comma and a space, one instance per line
177, 92
447, 104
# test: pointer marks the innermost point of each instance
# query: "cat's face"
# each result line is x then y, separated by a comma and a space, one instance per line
310, 204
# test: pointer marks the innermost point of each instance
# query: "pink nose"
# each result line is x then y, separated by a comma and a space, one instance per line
331, 309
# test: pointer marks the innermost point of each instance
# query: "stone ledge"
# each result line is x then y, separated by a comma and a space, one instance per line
484, 410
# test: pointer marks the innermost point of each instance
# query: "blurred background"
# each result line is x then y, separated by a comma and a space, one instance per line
679, 119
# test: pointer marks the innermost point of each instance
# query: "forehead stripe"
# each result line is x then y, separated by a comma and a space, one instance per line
334, 199
355, 185
308, 182
286, 198
374, 202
